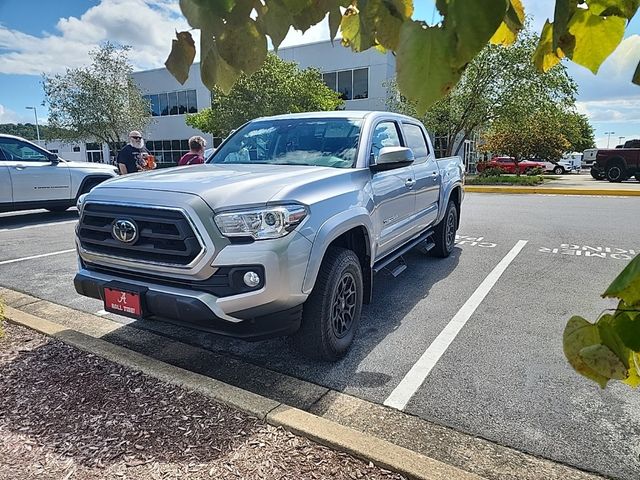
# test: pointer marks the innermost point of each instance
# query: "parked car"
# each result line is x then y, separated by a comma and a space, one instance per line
589, 157
618, 164
569, 163
508, 166
280, 233
32, 177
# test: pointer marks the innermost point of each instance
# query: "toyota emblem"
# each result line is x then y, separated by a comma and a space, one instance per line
124, 231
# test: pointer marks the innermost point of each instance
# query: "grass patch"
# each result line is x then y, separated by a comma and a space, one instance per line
525, 180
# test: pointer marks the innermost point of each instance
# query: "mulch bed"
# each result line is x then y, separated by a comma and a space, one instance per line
67, 414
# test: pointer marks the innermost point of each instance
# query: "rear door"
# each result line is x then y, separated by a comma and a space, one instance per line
427, 175
392, 191
33, 176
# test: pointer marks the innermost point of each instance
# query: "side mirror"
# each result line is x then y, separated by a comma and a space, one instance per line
393, 157
54, 158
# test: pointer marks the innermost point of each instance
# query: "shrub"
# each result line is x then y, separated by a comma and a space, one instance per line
492, 172
535, 171
505, 180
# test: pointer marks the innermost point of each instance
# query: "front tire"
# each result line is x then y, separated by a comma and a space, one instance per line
615, 173
331, 314
445, 232
558, 170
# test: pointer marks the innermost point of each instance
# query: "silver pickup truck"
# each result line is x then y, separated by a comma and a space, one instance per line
280, 233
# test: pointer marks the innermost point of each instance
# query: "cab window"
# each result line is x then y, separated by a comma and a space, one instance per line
385, 135
16, 150
416, 141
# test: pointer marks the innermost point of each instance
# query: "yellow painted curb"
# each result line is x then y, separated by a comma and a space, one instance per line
359, 444
552, 190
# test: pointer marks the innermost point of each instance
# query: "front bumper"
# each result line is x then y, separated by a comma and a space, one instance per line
195, 309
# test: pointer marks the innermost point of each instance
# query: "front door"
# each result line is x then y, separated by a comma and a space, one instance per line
6, 192
33, 176
392, 192
427, 189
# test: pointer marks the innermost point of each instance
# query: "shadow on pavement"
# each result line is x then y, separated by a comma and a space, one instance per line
15, 220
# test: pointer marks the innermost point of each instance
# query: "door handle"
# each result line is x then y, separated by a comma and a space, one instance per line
435, 176
409, 183
20, 167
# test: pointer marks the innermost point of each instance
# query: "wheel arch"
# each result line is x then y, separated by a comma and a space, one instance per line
95, 178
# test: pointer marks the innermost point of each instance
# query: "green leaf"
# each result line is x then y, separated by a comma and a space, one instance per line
545, 56
356, 32
515, 16
610, 338
579, 334
473, 22
199, 13
636, 75
424, 72
601, 360
621, 8
633, 378
214, 71
627, 285
243, 47
595, 38
276, 21
388, 28
627, 328
564, 10
183, 51
335, 17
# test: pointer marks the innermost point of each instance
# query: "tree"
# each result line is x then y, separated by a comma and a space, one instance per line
527, 136
578, 131
500, 82
100, 102
278, 87
430, 58
28, 131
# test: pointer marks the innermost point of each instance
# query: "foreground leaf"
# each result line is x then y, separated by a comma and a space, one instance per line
424, 72
600, 359
627, 285
183, 51
243, 47
214, 70
596, 38
627, 327
546, 57
578, 335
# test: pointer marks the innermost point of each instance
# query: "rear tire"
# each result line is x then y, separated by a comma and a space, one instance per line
331, 314
615, 173
558, 170
445, 232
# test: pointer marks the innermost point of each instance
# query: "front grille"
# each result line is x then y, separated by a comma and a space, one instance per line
165, 236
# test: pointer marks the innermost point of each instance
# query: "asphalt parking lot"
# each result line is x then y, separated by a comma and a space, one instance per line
472, 342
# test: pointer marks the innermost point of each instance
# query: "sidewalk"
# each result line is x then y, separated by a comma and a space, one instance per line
67, 414
569, 184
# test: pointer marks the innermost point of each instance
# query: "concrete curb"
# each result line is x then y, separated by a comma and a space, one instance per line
362, 445
552, 190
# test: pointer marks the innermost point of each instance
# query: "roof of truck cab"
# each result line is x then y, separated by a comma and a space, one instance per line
353, 114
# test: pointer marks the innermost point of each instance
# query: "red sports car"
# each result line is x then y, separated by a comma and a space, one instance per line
506, 164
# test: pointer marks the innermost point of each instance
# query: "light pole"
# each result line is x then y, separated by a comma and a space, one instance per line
35, 111
620, 139
609, 137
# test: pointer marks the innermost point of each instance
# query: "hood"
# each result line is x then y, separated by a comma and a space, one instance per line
226, 185
91, 165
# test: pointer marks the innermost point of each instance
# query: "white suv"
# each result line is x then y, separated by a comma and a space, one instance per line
32, 177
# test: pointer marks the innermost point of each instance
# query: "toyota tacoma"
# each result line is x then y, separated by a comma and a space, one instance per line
280, 233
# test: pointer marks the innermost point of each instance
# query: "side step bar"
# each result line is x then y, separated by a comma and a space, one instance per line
392, 257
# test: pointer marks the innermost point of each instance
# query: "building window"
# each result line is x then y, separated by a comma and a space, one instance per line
167, 152
350, 84
192, 101
172, 103
76, 149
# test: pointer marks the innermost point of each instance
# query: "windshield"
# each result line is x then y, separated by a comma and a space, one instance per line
331, 142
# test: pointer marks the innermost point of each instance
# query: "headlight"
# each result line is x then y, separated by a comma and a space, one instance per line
261, 224
80, 202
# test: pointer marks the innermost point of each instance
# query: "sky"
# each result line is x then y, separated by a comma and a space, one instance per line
47, 36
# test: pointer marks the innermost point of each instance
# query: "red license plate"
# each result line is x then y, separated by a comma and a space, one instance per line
122, 303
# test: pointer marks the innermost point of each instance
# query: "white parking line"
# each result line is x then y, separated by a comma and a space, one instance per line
27, 227
14, 260
419, 372
101, 313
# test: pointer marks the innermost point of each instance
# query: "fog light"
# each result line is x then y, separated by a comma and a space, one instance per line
251, 279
